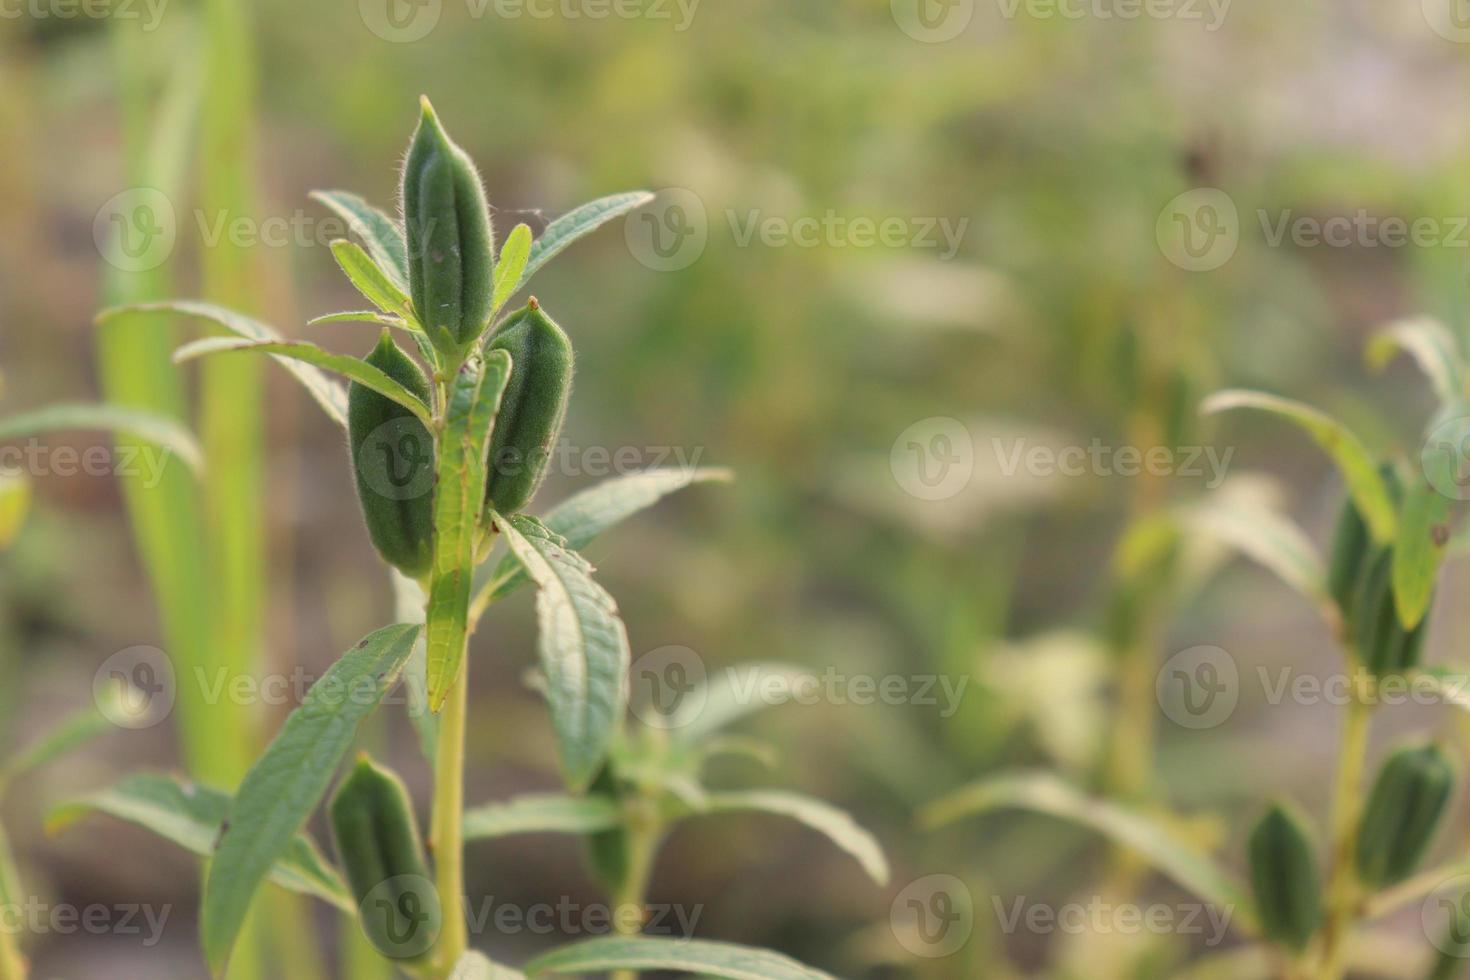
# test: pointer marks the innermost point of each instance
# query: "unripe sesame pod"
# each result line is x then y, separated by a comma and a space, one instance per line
393, 462
1283, 872
378, 841
1404, 809
451, 242
532, 409
1382, 643
1353, 551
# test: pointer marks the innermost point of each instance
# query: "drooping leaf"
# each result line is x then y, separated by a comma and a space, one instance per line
577, 223
583, 516
474, 400
299, 350
15, 504
374, 284
379, 233
699, 957
160, 429
1424, 533
582, 645
71, 733
285, 785
1432, 346
368, 316
1358, 468
331, 396
541, 813
1043, 792
822, 817
1267, 537
730, 695
190, 815
511, 263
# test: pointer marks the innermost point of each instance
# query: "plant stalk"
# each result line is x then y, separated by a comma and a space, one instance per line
644, 829
447, 835
1342, 887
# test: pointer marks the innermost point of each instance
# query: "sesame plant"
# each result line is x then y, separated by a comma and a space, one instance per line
449, 441
1310, 899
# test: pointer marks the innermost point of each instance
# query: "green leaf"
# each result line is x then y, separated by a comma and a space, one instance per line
697, 956
408, 607
331, 396
286, 783
368, 316
583, 516
840, 828
160, 429
511, 263
1424, 533
577, 223
477, 966
380, 233
15, 504
1267, 537
1450, 682
1045, 793
1358, 469
1432, 346
541, 813
459, 498
582, 644
374, 284
351, 367
72, 733
729, 696
190, 815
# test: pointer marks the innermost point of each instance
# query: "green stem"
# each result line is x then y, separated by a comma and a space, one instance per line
1342, 887
644, 830
12, 962
447, 836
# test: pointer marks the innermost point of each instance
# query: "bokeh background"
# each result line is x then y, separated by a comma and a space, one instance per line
869, 391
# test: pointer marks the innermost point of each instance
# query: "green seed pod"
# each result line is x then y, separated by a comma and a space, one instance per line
1384, 646
607, 850
532, 409
1352, 552
378, 841
1408, 799
1283, 871
393, 460
451, 242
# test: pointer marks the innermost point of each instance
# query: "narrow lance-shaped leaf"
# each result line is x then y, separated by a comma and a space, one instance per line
511, 263
541, 813
699, 957
840, 828
160, 429
331, 396
286, 783
1266, 537
72, 733
1432, 346
577, 223
379, 233
1424, 533
189, 815
474, 400
299, 350
368, 316
582, 644
374, 284
1359, 471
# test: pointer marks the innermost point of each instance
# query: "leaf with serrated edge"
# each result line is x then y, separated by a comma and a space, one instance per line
696, 956
165, 431
511, 263
459, 497
353, 368
189, 815
1044, 793
380, 233
285, 785
374, 284
541, 813
577, 223
1432, 346
1358, 469
331, 396
582, 644
838, 826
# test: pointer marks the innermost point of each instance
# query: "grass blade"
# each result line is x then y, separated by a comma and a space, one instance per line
699, 957
160, 429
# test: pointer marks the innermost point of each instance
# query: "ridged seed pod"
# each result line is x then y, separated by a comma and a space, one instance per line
1404, 809
1386, 648
393, 462
451, 242
532, 409
378, 841
1283, 871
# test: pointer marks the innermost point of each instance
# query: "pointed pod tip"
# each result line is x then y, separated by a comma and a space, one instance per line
533, 303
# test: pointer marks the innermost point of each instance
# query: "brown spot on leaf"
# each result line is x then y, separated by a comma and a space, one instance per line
1440, 535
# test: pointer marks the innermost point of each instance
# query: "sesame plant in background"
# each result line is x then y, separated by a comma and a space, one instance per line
448, 450
1309, 908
